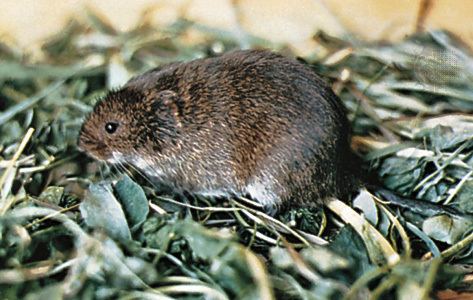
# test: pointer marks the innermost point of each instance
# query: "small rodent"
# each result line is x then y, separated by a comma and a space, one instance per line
247, 123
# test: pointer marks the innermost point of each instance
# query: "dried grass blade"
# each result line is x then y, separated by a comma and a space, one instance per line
375, 242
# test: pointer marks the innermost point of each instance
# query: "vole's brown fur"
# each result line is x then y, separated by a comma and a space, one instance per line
245, 123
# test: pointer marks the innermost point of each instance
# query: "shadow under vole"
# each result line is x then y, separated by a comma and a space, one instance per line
245, 123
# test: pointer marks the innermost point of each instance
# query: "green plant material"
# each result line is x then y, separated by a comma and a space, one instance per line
101, 210
52, 194
365, 202
446, 228
464, 243
51, 292
324, 260
379, 249
349, 245
133, 200
463, 199
227, 261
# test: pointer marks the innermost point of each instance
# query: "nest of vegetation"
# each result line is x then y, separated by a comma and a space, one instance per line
71, 228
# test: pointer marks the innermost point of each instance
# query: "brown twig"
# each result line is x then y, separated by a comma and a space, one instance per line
425, 7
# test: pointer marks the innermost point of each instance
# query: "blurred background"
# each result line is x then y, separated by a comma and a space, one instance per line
26, 23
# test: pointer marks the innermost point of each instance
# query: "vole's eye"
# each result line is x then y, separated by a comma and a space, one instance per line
111, 127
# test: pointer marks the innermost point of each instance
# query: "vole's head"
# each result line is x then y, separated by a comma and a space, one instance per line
128, 123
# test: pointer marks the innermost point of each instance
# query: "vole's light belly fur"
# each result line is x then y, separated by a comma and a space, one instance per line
173, 174
218, 170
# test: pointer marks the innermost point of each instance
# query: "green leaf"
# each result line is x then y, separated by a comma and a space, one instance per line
52, 194
366, 203
464, 199
408, 290
427, 240
416, 272
350, 246
324, 260
401, 174
158, 233
206, 244
445, 228
50, 292
281, 257
444, 137
100, 209
10, 133
133, 201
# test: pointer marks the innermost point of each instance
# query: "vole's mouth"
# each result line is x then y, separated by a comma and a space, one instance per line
94, 149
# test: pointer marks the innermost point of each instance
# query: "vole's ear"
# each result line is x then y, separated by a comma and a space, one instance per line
166, 104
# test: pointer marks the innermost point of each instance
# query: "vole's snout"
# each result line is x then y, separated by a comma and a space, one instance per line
98, 150
85, 140
89, 143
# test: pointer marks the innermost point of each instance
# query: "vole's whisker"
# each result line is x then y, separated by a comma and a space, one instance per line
125, 169
118, 170
100, 166
144, 175
121, 167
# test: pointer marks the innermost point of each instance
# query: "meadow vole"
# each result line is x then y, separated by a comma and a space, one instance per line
251, 123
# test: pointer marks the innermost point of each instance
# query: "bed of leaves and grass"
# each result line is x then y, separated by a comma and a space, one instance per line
71, 227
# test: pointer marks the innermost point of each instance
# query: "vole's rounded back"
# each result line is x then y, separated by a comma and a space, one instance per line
245, 123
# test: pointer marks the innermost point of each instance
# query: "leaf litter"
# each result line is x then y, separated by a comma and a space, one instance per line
71, 227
